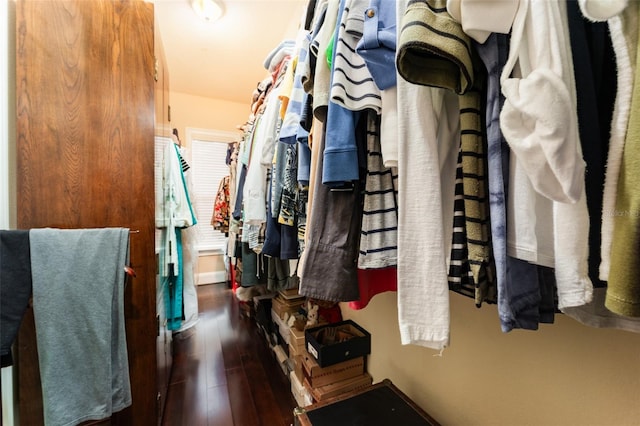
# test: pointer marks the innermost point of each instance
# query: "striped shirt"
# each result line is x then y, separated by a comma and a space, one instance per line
379, 229
476, 203
460, 276
352, 85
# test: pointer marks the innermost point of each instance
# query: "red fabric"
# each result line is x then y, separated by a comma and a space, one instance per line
372, 282
331, 315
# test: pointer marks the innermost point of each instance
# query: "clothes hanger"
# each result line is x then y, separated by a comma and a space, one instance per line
175, 133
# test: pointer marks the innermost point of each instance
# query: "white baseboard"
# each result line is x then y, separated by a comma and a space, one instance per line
212, 277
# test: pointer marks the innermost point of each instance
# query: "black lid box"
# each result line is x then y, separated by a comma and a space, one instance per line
337, 342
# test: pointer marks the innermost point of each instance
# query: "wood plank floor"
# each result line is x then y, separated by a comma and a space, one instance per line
224, 372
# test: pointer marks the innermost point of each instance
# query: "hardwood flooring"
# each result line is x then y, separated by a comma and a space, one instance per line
224, 373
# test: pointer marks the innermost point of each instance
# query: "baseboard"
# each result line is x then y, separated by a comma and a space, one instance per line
212, 277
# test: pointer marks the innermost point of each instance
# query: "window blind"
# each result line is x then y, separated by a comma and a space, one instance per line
208, 167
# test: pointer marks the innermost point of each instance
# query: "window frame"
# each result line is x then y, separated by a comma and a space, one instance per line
213, 136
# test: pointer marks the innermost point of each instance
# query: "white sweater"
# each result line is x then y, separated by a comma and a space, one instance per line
428, 131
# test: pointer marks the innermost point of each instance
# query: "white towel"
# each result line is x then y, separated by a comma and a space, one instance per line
78, 307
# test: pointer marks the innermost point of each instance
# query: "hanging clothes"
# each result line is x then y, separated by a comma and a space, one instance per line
172, 214
221, 214
623, 292
623, 28
426, 165
328, 269
379, 229
15, 287
548, 155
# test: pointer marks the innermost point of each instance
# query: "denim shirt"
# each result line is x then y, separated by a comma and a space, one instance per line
378, 44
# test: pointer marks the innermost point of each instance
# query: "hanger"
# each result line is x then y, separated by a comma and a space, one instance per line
175, 133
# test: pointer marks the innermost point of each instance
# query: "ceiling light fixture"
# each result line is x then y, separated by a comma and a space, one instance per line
209, 10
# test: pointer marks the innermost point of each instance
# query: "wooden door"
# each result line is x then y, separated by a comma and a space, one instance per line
85, 134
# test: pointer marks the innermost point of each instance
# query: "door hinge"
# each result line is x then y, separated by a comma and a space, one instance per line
156, 68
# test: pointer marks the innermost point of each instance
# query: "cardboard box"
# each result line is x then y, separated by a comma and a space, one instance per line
298, 368
322, 393
337, 342
297, 339
300, 393
282, 359
320, 376
295, 350
291, 294
282, 306
283, 328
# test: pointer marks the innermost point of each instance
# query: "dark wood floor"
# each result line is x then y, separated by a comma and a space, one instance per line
224, 372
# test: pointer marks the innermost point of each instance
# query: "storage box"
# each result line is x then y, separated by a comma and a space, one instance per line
294, 350
320, 376
300, 393
282, 359
322, 393
283, 328
298, 368
262, 309
380, 404
291, 294
297, 339
337, 342
281, 306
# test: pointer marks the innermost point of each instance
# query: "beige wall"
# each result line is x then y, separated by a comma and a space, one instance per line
206, 113
563, 374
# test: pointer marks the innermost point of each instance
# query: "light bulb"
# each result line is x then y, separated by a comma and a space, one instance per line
209, 10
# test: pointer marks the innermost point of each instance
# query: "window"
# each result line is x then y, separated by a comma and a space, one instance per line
208, 167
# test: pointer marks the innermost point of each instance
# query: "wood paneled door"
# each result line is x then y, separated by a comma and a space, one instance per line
85, 152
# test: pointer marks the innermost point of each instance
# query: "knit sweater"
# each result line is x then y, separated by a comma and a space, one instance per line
623, 29
624, 36
623, 293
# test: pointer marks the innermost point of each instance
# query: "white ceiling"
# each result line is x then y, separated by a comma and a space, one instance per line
223, 59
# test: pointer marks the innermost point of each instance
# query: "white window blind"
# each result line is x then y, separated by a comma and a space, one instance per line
206, 158
208, 167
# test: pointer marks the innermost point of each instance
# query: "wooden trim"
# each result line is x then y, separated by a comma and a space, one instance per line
210, 135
